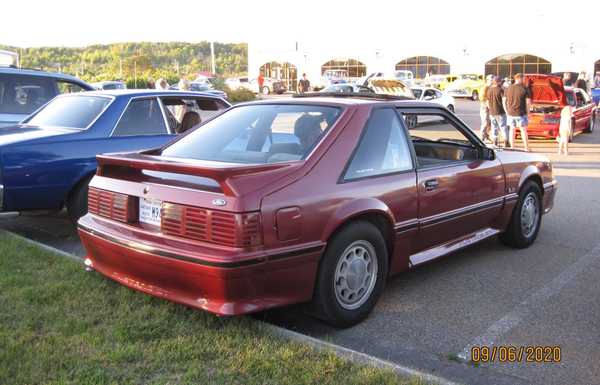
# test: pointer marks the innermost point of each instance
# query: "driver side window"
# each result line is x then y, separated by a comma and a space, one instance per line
438, 140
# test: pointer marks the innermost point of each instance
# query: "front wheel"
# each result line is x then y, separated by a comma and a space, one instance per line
266, 91
352, 275
526, 218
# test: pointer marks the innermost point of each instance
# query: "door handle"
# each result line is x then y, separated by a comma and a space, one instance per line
431, 184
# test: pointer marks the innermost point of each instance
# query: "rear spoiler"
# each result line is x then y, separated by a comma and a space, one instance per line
223, 174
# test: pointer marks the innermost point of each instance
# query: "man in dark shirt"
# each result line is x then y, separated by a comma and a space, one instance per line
303, 84
494, 97
517, 102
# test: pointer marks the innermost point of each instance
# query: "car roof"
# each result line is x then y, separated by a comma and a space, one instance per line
34, 72
148, 92
342, 100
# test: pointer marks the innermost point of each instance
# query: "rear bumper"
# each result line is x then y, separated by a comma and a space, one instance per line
548, 131
192, 276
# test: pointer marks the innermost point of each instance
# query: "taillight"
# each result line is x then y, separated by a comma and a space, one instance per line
117, 206
212, 226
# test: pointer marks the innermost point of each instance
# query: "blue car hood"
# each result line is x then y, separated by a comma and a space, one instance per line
22, 133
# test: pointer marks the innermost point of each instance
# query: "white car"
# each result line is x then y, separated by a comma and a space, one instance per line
433, 95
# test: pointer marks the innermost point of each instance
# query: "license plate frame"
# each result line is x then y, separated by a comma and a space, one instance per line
150, 211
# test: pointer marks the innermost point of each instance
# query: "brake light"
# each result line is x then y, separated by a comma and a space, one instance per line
212, 226
116, 206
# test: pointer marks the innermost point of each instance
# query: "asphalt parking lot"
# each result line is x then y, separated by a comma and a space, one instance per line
487, 294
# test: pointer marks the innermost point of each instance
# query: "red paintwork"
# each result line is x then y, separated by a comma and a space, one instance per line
301, 205
548, 91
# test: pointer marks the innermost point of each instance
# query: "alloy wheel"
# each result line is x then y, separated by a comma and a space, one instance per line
355, 275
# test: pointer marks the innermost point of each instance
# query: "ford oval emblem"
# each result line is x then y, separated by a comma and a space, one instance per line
219, 202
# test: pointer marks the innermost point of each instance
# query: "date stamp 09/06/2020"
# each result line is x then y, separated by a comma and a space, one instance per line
515, 354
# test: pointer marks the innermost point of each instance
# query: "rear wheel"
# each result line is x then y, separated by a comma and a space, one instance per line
77, 201
475, 95
526, 218
352, 275
265, 90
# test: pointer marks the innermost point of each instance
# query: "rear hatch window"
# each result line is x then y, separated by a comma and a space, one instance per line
256, 134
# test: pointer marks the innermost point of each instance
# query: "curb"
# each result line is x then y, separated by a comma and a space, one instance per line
292, 336
353, 355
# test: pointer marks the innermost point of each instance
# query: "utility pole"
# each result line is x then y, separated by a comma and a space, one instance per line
212, 57
134, 74
120, 68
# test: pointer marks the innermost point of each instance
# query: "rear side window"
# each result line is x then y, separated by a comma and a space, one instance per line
65, 87
24, 94
70, 112
142, 117
383, 148
264, 133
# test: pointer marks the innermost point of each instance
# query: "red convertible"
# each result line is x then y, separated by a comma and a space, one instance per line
310, 199
548, 97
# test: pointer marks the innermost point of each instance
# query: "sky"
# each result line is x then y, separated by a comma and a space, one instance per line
74, 24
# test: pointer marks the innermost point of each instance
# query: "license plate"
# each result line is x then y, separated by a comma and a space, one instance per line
150, 211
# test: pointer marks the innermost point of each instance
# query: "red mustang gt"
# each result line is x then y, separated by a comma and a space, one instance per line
548, 97
313, 199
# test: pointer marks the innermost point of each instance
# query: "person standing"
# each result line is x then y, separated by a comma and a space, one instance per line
484, 114
567, 82
261, 82
161, 84
565, 128
494, 97
517, 101
581, 82
303, 84
597, 80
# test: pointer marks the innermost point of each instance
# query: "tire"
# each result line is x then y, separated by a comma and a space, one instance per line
450, 108
77, 201
345, 295
266, 90
475, 96
518, 234
593, 121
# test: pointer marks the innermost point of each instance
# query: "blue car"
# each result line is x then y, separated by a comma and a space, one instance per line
596, 95
47, 160
22, 91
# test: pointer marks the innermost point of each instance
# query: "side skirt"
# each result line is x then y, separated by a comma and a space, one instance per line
450, 247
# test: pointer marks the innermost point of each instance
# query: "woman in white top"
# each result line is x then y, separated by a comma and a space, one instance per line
565, 128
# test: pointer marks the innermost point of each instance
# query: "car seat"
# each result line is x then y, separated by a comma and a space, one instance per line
190, 119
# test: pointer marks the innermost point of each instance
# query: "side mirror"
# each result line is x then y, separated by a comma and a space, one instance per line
487, 153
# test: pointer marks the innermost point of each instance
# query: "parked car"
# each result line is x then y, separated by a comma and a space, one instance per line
596, 96
306, 200
203, 87
466, 86
548, 97
406, 76
347, 88
110, 85
269, 85
330, 77
47, 160
433, 95
22, 91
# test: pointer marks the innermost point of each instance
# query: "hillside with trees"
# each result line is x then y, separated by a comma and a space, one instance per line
137, 63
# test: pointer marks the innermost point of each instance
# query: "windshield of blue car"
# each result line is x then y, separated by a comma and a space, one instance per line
69, 112
257, 134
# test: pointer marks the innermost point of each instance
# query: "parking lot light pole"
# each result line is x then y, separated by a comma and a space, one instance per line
212, 57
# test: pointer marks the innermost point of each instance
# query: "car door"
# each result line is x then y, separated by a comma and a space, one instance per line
583, 110
459, 192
